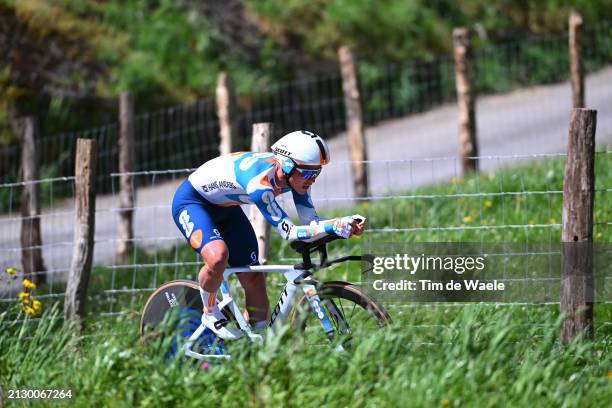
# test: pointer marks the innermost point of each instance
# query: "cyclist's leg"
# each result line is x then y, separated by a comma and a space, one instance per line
194, 219
242, 242
215, 254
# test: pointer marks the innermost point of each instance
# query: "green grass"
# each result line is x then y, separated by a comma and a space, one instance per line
432, 355
485, 357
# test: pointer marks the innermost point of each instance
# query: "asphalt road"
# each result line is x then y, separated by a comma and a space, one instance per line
404, 153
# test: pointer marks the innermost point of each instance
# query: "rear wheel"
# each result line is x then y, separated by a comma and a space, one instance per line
353, 314
174, 310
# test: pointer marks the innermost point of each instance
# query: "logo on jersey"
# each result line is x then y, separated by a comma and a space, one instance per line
187, 226
196, 239
254, 257
218, 185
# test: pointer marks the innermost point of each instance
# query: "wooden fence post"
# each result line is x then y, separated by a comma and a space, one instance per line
85, 208
260, 142
468, 144
226, 111
576, 300
31, 240
576, 66
126, 182
354, 121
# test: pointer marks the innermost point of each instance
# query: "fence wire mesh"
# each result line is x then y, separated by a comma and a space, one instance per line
515, 198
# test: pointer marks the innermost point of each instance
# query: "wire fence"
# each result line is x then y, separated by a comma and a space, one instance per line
516, 199
187, 135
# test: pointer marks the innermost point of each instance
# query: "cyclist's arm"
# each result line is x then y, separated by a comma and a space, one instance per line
305, 208
275, 215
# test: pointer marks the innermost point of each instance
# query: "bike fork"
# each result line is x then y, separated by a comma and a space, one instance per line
320, 312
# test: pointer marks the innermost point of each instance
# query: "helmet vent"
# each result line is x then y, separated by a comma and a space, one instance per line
323, 155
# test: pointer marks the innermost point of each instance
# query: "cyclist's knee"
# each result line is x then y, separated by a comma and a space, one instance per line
215, 255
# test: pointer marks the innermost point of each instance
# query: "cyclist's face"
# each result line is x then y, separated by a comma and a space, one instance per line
301, 182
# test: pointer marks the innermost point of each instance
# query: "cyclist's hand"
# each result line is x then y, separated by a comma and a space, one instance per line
342, 227
358, 224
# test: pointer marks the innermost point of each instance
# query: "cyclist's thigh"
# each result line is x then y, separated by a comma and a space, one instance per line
195, 222
240, 238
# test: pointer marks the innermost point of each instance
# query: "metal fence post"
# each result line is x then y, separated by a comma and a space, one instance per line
468, 143
85, 208
576, 300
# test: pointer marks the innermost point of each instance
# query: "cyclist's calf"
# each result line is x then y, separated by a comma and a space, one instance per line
257, 305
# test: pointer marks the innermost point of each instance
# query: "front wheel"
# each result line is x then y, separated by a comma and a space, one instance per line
352, 312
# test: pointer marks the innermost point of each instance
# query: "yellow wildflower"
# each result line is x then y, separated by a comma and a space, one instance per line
467, 219
29, 311
11, 271
24, 295
28, 284
609, 375
488, 203
552, 221
445, 402
37, 306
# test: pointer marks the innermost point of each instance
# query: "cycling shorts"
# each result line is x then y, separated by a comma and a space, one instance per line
201, 222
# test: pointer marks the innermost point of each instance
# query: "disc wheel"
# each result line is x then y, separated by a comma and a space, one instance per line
174, 311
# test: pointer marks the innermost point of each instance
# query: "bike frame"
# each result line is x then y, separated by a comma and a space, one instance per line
295, 278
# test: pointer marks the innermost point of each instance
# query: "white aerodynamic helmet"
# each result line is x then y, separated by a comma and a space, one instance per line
303, 148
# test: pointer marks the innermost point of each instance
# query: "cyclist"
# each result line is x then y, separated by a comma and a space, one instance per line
206, 208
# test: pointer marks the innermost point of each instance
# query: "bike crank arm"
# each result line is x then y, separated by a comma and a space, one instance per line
242, 323
199, 356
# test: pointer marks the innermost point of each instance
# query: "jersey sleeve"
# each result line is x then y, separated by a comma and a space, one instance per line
304, 207
273, 213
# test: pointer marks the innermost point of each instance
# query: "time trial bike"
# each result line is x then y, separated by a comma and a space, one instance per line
340, 308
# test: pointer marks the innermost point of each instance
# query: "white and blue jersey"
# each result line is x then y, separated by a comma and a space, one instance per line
207, 205
249, 178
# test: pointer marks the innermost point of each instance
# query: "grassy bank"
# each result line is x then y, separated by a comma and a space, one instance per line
484, 357
432, 355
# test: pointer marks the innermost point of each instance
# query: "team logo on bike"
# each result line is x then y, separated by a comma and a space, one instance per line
196, 239
221, 323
